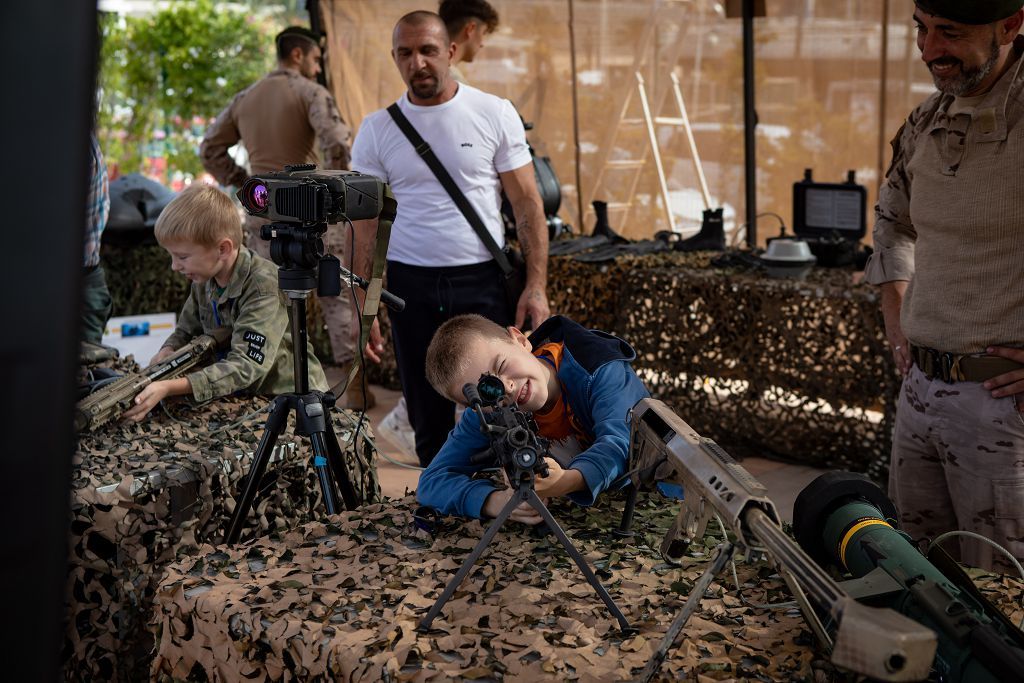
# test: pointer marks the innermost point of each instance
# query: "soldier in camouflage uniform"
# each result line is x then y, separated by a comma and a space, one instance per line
279, 119
948, 239
233, 290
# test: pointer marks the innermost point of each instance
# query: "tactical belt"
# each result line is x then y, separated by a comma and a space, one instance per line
957, 367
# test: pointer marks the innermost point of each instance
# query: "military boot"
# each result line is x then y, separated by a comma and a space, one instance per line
711, 236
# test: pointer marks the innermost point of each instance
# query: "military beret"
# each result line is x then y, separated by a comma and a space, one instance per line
977, 12
299, 31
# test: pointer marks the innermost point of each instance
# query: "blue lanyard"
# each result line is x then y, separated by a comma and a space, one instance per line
221, 355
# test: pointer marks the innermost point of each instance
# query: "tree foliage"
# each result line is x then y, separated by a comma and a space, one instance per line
164, 76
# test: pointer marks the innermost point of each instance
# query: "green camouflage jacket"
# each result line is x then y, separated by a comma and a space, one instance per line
259, 360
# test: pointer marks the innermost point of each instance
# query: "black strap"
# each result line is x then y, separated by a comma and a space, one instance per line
435, 165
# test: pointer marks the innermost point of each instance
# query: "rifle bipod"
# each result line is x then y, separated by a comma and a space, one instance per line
725, 551
525, 493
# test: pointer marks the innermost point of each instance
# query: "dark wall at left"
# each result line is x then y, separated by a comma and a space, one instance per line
48, 61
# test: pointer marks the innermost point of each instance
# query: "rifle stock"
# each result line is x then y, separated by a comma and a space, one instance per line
112, 400
877, 642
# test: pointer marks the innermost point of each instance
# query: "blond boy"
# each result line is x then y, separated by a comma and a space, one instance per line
579, 385
234, 291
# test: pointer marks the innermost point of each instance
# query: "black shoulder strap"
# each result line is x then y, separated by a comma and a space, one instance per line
435, 165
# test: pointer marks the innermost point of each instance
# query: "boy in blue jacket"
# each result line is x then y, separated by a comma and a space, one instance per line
578, 384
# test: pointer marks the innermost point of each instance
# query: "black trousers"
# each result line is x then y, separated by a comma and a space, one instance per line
432, 296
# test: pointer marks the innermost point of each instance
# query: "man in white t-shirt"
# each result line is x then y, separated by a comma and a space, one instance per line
436, 262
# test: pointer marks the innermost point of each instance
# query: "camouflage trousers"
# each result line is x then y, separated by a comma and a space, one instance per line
338, 310
958, 463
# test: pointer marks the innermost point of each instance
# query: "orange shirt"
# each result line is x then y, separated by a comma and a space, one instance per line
558, 424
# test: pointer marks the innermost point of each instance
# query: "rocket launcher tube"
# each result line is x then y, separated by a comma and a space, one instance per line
877, 642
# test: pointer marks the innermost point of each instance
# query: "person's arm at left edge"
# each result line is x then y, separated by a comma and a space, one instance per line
520, 187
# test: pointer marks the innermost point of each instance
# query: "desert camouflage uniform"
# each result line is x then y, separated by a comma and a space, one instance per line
280, 118
951, 222
259, 360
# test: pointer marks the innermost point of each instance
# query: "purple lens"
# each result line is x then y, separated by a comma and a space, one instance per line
260, 196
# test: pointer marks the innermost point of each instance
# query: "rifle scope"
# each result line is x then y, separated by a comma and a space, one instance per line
844, 520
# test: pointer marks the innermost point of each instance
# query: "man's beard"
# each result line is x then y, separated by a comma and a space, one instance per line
427, 89
966, 80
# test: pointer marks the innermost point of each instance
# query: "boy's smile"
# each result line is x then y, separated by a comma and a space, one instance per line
528, 380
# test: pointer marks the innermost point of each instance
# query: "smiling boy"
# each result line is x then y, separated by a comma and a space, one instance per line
233, 290
578, 384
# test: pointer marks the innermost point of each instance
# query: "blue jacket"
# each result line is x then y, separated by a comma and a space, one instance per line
600, 388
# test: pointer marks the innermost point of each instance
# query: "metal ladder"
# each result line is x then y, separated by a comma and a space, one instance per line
648, 117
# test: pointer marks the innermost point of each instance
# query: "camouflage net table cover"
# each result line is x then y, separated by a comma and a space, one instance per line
145, 494
340, 601
797, 370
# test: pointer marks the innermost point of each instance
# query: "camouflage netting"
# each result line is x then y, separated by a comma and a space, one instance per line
141, 281
145, 494
341, 601
797, 370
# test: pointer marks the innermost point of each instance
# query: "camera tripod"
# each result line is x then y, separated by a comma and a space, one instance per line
518, 451
302, 268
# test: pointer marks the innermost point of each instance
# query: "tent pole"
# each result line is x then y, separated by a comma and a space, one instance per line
575, 116
749, 123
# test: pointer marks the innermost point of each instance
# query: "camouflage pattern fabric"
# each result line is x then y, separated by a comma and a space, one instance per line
793, 369
260, 357
957, 462
144, 494
806, 363
279, 118
340, 601
141, 281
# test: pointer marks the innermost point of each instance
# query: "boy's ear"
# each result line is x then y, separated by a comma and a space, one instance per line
519, 338
225, 246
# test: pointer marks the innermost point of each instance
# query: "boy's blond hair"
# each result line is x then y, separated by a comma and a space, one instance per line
200, 214
447, 353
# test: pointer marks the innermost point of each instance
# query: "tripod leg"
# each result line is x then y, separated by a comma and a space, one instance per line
340, 471
534, 500
692, 602
275, 424
323, 471
467, 566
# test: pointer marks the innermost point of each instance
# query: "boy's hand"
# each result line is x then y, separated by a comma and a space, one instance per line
522, 513
559, 482
147, 399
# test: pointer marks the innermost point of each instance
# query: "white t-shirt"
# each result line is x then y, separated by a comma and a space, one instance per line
476, 136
